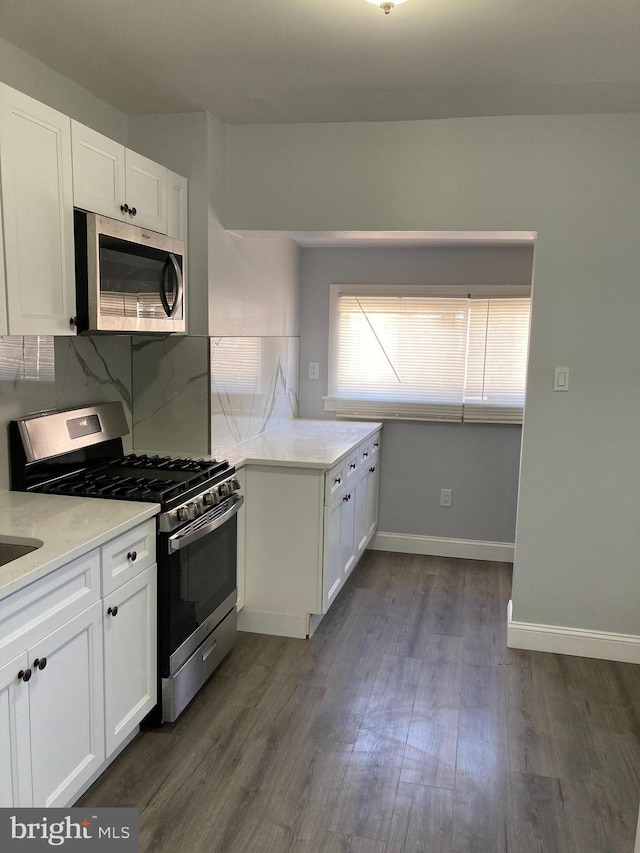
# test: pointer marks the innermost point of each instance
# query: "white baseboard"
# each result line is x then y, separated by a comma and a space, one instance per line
466, 549
572, 641
278, 624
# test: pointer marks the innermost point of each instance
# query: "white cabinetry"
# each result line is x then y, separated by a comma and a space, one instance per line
129, 615
37, 204
305, 530
116, 182
15, 743
60, 698
177, 205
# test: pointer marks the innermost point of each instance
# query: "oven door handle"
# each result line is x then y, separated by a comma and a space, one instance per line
179, 540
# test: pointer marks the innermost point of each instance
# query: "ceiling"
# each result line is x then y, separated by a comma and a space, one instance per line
254, 61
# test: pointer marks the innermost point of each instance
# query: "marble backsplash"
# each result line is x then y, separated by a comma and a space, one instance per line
191, 395
87, 370
254, 387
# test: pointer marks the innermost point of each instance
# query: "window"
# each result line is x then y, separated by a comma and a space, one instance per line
437, 357
30, 358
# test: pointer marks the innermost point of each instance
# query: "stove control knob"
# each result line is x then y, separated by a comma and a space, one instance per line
224, 490
210, 499
193, 509
235, 485
182, 513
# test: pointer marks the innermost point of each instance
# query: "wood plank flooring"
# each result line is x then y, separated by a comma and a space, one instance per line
405, 725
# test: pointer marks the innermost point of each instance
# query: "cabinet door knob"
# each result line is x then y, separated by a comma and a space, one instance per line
132, 211
371, 470
113, 611
132, 555
24, 674
352, 465
338, 480
124, 208
365, 455
40, 663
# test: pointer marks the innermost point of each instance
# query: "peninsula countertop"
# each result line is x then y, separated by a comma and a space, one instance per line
300, 444
67, 526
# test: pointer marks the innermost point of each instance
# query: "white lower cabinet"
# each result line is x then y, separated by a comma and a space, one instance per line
15, 743
66, 707
304, 531
129, 617
74, 676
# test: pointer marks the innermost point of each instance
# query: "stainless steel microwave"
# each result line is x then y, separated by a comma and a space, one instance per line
128, 279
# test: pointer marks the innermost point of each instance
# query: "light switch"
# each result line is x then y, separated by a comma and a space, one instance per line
561, 379
314, 370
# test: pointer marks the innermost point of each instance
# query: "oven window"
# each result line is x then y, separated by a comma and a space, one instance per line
201, 577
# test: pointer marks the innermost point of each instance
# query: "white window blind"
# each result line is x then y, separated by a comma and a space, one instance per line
430, 358
30, 358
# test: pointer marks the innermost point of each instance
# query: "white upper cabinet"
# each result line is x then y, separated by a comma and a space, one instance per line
116, 182
37, 203
98, 172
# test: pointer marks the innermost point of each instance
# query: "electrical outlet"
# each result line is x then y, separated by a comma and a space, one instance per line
446, 497
314, 370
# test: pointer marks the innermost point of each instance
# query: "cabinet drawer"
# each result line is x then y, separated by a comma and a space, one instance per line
334, 480
35, 611
123, 558
352, 465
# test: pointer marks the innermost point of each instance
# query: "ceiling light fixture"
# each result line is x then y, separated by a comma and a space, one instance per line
386, 5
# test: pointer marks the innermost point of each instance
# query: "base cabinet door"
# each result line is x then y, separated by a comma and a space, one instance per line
129, 615
347, 517
15, 748
372, 499
67, 708
331, 574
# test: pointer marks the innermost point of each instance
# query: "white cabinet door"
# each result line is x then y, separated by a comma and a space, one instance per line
177, 206
129, 615
15, 750
347, 517
37, 204
67, 709
146, 184
3, 286
98, 172
331, 574
360, 530
372, 499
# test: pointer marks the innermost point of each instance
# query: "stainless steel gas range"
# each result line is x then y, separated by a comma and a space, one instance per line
80, 452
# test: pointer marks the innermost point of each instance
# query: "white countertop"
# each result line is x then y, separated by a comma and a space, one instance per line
301, 444
67, 526
304, 444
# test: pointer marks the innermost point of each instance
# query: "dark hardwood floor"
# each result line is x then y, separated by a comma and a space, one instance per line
404, 725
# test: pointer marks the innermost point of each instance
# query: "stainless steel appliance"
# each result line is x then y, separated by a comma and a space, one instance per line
128, 279
80, 452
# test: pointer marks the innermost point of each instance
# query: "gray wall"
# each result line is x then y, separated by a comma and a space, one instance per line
573, 179
34, 78
479, 462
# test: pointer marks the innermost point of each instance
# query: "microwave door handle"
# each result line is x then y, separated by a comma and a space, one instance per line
172, 311
179, 540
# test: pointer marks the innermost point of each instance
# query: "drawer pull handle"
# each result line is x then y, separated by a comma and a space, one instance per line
40, 663
376, 446
24, 674
209, 650
132, 555
113, 611
352, 465
346, 498
371, 470
337, 481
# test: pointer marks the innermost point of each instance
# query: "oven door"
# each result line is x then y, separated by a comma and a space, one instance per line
197, 582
